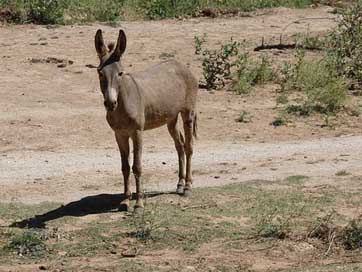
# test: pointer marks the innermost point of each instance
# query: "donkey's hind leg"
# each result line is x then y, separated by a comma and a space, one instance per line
188, 118
179, 144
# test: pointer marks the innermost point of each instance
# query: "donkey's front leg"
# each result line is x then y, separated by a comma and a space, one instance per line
137, 170
123, 144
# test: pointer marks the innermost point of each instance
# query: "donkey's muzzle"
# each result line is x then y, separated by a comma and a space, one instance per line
110, 105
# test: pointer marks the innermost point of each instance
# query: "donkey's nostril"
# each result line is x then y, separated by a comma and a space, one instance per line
110, 105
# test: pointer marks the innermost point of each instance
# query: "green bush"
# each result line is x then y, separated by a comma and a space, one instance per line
59, 11
279, 121
217, 64
307, 41
160, 9
35, 11
250, 73
352, 235
30, 243
95, 10
199, 43
229, 63
46, 12
272, 226
321, 89
63, 11
345, 44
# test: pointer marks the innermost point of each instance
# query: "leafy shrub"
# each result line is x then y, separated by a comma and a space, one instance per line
345, 44
282, 99
15, 12
250, 73
321, 89
36, 11
160, 9
217, 64
244, 117
95, 10
198, 43
307, 41
46, 12
57, 11
352, 235
300, 110
157, 9
272, 226
279, 121
230, 63
63, 11
29, 243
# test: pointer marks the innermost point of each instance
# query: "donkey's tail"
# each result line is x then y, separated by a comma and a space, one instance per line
195, 126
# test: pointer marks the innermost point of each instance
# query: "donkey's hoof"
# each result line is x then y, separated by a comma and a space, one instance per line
187, 193
138, 210
180, 190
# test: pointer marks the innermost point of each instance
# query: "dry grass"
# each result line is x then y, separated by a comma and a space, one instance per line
213, 229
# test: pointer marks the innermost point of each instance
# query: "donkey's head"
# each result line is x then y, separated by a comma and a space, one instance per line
110, 68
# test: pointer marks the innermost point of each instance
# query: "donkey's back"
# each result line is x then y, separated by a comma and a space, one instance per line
167, 89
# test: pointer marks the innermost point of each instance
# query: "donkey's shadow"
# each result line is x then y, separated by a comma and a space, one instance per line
97, 204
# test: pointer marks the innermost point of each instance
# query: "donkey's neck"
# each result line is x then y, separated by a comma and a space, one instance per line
129, 112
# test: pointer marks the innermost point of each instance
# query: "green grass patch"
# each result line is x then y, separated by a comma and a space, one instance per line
352, 235
30, 243
345, 267
244, 117
226, 217
279, 121
251, 72
296, 180
342, 173
12, 212
317, 86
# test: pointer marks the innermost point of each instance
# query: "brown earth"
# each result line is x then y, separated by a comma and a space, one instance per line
56, 145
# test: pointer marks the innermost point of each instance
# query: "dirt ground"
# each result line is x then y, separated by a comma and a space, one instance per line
56, 146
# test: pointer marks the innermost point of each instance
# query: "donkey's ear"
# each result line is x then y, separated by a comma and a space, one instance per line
99, 44
121, 45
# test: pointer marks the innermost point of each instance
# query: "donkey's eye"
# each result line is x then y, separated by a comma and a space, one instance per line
120, 73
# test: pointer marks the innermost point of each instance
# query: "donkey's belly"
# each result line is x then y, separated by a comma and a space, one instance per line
154, 121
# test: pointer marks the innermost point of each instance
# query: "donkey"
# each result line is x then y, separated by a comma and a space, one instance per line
145, 100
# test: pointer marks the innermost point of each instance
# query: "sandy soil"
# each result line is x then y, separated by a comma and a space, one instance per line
56, 145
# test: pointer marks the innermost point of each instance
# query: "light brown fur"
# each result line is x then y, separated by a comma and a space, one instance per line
146, 100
